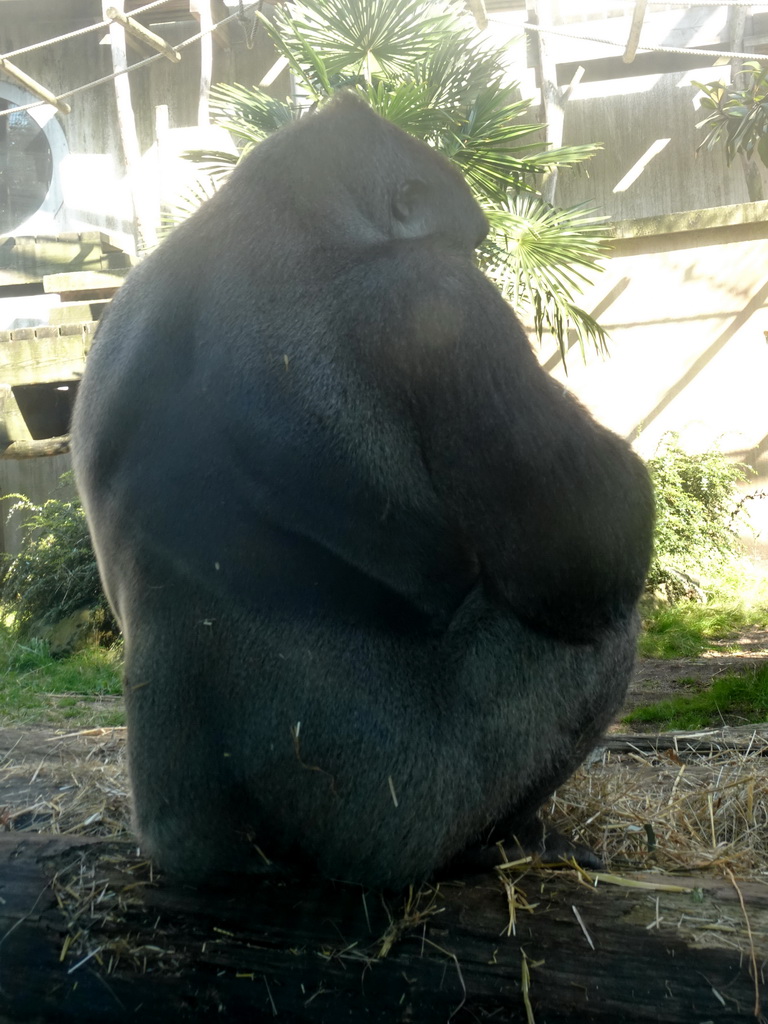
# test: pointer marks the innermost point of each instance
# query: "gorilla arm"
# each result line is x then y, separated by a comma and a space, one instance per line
557, 508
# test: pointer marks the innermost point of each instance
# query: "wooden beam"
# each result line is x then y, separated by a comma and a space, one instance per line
81, 284
634, 31
477, 7
139, 32
33, 86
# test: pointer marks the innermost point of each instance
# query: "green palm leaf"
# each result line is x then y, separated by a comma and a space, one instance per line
365, 37
250, 114
540, 256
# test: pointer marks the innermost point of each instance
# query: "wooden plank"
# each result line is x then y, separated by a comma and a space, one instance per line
38, 360
37, 355
91, 936
76, 313
88, 294
82, 281
634, 31
26, 259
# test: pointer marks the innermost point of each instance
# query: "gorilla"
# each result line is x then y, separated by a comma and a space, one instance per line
376, 571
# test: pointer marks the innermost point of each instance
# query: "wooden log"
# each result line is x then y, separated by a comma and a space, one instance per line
744, 738
33, 86
37, 449
88, 936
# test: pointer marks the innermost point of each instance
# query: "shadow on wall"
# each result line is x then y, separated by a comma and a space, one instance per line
757, 301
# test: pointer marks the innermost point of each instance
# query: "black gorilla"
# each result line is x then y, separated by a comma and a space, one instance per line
376, 571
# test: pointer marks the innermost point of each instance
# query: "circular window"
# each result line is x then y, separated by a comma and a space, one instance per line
26, 167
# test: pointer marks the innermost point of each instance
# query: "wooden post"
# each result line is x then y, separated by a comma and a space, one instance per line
202, 9
143, 223
552, 102
37, 449
162, 128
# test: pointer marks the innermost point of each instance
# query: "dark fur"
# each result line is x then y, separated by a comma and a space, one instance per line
329, 484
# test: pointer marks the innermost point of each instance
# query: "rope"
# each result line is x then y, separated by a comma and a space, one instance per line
76, 32
116, 74
731, 54
698, 3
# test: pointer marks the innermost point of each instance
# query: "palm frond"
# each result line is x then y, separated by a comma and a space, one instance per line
250, 113
409, 106
459, 66
306, 64
541, 257
191, 197
216, 163
365, 37
497, 150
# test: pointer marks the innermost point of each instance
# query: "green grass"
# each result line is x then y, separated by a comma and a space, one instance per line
686, 630
732, 699
81, 691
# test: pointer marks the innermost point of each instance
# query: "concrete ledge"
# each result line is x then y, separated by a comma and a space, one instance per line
691, 220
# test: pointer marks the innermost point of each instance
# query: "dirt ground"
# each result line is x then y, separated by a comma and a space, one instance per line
658, 679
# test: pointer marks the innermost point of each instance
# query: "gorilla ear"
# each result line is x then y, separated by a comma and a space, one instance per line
410, 201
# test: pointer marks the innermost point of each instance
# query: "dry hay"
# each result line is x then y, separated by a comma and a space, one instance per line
679, 809
671, 809
73, 784
676, 810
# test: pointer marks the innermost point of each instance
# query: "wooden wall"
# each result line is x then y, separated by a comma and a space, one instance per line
630, 117
95, 193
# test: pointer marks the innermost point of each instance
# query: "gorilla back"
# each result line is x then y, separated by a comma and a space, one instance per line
376, 571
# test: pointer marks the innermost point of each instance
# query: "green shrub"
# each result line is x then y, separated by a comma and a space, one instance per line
697, 513
55, 572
